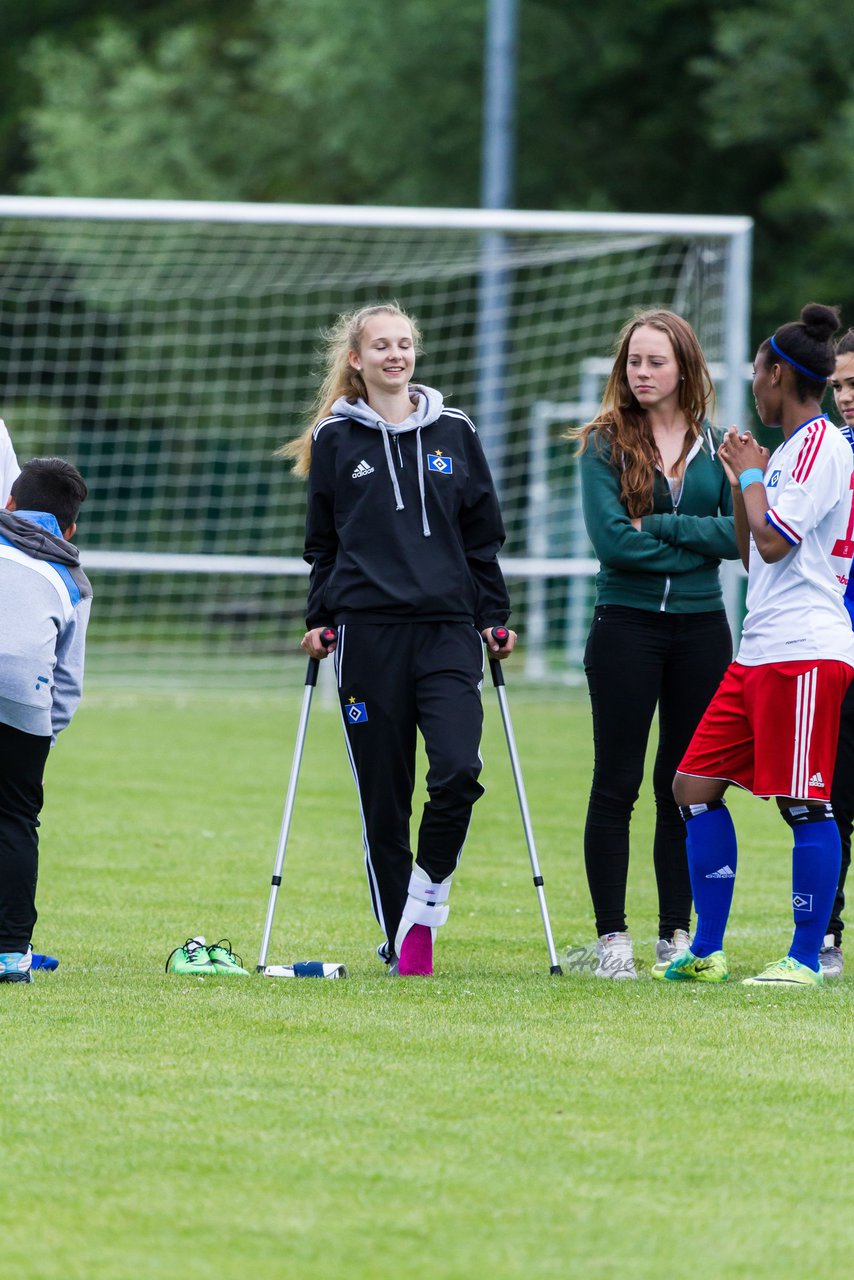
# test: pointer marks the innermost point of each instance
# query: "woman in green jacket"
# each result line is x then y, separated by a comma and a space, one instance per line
658, 511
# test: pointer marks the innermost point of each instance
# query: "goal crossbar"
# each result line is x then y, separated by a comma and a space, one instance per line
710, 225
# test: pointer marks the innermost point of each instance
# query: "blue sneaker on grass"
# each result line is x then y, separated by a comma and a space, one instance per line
16, 966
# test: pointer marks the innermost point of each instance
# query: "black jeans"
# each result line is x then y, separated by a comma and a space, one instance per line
635, 661
22, 761
842, 799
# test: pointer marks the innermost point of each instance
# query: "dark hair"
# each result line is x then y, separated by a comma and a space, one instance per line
806, 343
845, 345
52, 485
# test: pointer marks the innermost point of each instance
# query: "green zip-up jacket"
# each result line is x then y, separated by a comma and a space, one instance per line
671, 563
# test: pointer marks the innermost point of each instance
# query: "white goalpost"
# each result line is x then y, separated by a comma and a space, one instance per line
168, 347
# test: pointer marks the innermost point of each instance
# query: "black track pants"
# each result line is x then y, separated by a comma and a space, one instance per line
635, 661
395, 679
22, 762
842, 799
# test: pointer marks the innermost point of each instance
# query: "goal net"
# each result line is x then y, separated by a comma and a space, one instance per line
168, 348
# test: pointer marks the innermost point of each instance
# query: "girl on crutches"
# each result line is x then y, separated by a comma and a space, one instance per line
403, 531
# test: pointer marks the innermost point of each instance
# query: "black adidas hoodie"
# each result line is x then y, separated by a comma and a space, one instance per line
403, 522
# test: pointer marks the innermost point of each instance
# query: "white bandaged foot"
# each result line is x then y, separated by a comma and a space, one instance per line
426, 906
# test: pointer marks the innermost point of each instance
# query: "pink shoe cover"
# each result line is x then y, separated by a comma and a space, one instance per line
416, 953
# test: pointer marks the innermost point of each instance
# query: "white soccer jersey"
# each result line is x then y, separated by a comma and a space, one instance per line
9, 469
795, 610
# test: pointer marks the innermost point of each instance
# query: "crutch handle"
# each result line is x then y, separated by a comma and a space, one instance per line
328, 636
500, 634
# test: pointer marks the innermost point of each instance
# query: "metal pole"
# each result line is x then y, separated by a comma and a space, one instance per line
537, 539
327, 638
736, 343
499, 107
310, 682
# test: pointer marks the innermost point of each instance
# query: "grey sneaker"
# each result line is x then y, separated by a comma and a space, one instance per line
616, 959
830, 958
669, 949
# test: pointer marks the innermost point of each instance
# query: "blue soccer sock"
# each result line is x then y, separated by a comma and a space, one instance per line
816, 859
712, 863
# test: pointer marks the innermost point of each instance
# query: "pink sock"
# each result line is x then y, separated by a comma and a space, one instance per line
416, 953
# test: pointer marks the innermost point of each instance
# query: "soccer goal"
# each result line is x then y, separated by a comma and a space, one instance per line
168, 348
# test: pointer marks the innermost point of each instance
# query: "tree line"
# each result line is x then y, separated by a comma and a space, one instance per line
666, 106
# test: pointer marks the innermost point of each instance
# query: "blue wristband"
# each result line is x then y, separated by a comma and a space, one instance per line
750, 476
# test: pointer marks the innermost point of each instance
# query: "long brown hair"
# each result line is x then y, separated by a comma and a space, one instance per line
623, 425
340, 378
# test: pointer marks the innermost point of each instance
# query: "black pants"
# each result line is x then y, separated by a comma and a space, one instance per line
22, 762
842, 799
634, 661
393, 680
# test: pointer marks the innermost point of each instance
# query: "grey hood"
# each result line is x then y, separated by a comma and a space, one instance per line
33, 533
429, 406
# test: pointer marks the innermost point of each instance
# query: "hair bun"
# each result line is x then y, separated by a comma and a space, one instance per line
819, 321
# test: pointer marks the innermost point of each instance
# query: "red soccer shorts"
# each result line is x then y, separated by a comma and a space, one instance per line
772, 729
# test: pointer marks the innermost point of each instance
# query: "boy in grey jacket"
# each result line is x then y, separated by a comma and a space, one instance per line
44, 607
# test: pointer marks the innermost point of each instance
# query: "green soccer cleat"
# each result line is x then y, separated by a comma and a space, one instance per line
787, 972
691, 968
193, 957
223, 958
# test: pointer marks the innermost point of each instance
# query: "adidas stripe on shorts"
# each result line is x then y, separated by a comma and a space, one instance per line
773, 729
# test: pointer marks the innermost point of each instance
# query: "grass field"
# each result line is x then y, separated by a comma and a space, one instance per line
494, 1121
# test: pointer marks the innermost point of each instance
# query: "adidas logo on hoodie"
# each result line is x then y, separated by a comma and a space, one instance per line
363, 469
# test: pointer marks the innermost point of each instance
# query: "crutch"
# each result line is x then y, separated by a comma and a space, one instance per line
501, 634
327, 637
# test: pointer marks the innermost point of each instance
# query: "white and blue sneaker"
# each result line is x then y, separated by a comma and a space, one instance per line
16, 966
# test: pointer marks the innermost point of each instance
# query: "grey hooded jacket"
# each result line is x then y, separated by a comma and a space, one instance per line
45, 599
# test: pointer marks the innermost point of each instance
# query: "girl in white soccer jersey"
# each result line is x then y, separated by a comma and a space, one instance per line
402, 534
772, 727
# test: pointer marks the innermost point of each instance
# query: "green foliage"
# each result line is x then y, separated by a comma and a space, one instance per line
169, 123
288, 108
781, 109
667, 106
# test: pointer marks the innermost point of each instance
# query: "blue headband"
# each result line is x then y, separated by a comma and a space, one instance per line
808, 373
